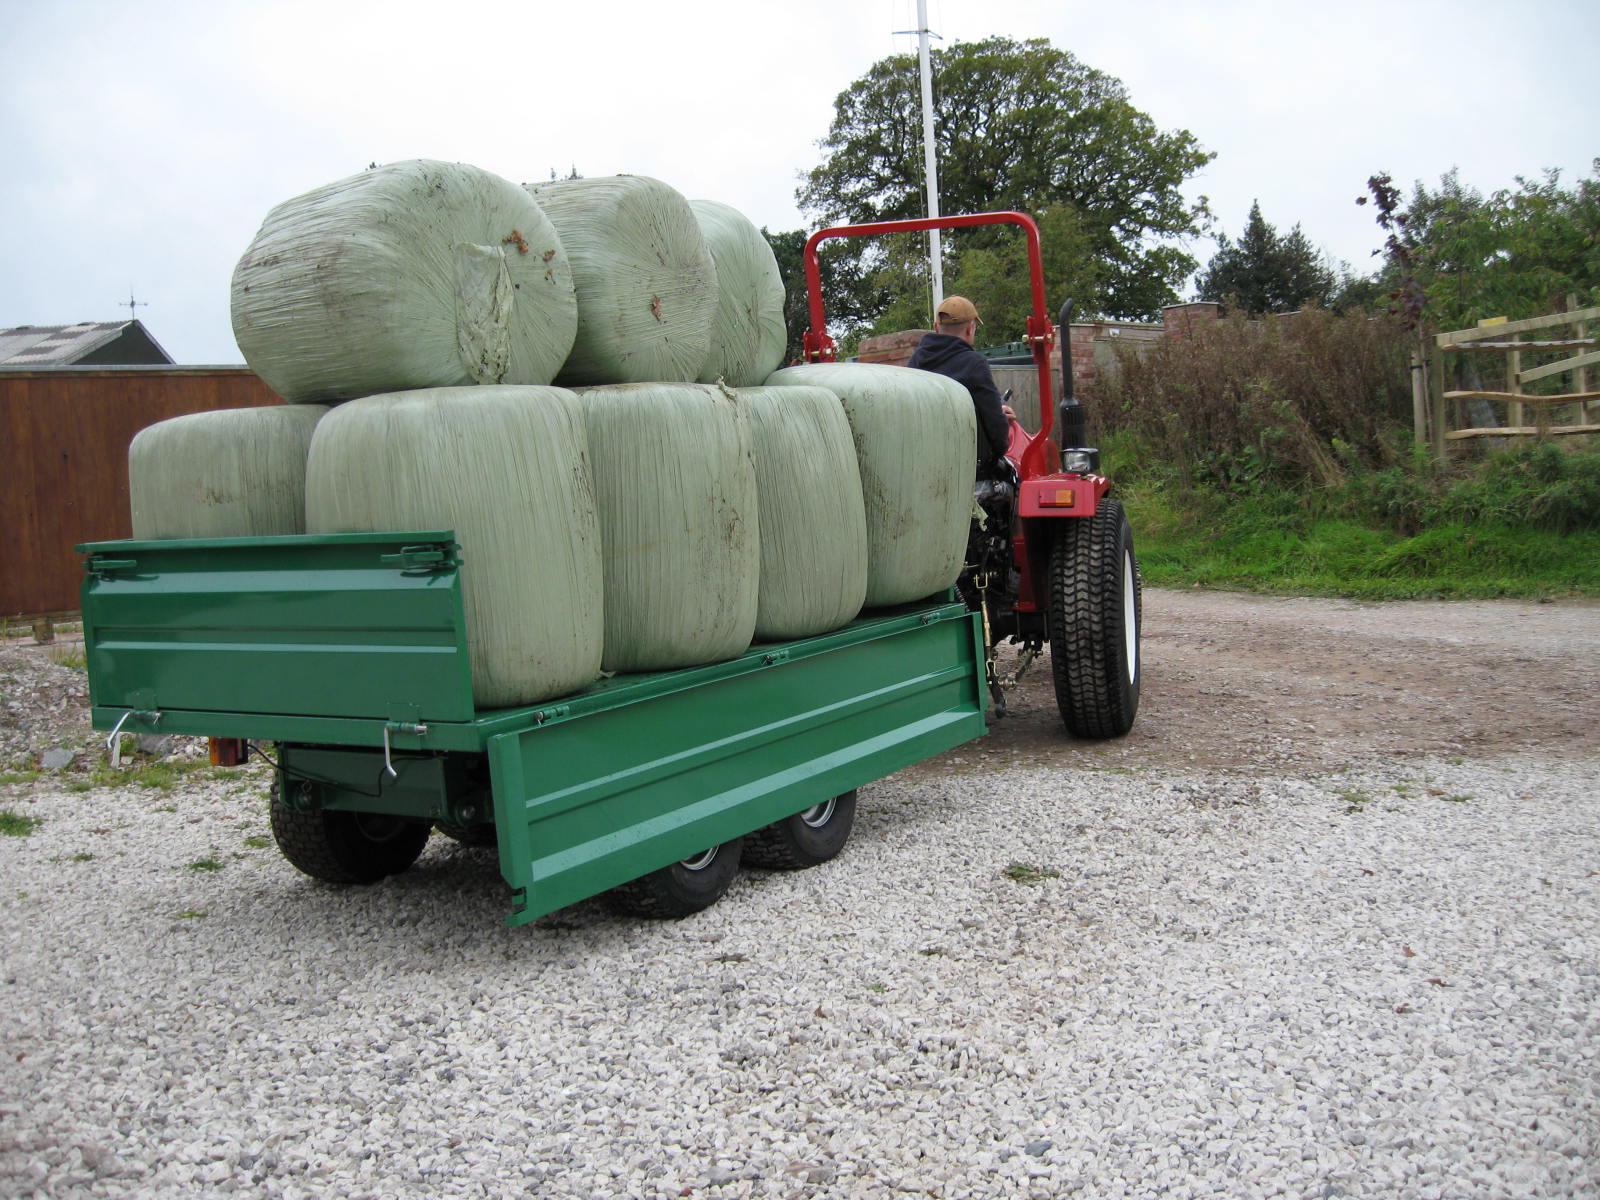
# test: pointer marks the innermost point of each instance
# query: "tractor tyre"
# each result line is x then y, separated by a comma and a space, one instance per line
805, 839
1095, 612
345, 847
682, 889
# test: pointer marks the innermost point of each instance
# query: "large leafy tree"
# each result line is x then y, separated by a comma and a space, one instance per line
1267, 272
1455, 256
1021, 125
1519, 252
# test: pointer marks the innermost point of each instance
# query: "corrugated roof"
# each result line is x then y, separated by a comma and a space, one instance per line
62, 345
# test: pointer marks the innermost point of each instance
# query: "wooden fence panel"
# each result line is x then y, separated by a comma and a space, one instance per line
64, 437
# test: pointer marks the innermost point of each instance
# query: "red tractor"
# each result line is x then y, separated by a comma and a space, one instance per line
1052, 559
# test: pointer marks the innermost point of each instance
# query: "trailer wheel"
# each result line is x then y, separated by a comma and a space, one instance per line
805, 839
1095, 615
682, 889
345, 847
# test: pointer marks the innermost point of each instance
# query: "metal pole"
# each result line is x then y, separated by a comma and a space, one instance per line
929, 156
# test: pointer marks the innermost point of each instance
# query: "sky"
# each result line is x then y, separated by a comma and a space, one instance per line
143, 143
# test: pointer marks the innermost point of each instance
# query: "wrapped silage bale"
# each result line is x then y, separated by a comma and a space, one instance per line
646, 284
813, 521
748, 334
507, 468
411, 275
915, 434
675, 486
237, 472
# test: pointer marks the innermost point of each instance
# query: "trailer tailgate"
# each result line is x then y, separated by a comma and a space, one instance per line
360, 625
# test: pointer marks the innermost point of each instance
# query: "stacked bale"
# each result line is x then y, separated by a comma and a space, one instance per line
813, 575
915, 436
645, 281
508, 469
676, 492
412, 275
239, 472
748, 334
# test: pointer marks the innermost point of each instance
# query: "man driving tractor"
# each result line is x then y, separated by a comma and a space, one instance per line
949, 351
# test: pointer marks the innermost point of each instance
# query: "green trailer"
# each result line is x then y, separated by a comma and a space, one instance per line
347, 656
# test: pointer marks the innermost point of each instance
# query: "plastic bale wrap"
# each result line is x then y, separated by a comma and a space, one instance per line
646, 284
239, 472
748, 334
916, 444
412, 275
813, 521
676, 488
508, 469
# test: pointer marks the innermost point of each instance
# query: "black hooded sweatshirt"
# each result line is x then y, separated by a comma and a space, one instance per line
948, 355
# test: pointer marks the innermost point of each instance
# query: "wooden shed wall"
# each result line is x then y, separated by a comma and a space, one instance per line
64, 437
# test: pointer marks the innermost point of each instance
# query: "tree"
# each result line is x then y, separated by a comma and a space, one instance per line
1022, 125
1267, 272
1519, 252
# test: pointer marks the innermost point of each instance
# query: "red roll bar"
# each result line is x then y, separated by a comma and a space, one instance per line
1038, 457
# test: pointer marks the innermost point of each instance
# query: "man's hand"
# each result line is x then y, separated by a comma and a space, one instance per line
1011, 414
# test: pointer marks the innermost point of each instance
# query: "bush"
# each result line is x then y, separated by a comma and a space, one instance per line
1246, 404
1543, 485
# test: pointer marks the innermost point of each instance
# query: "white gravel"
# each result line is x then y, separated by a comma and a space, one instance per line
1376, 982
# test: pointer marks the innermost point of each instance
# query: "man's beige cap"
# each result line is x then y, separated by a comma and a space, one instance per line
958, 310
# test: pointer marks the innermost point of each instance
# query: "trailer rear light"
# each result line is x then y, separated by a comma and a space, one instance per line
1058, 498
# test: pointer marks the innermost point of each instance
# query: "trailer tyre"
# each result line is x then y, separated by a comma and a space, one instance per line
345, 847
682, 889
805, 839
1096, 606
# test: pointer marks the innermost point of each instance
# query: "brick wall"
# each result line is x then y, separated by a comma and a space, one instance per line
891, 348
1092, 344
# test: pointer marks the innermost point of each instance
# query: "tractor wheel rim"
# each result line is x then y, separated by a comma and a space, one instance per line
1130, 616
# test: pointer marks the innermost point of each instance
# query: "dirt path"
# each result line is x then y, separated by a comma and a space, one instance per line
1242, 682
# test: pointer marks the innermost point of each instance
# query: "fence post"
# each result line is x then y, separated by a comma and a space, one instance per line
1436, 389
1419, 397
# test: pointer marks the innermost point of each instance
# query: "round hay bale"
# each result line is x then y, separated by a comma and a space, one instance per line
676, 490
412, 275
748, 334
237, 472
916, 444
507, 468
813, 520
646, 285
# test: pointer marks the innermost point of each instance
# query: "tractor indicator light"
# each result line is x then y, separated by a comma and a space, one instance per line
1058, 498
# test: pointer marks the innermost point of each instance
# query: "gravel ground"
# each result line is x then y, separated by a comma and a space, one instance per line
1248, 951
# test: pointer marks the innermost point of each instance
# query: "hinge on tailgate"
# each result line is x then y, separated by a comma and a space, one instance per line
423, 559
103, 568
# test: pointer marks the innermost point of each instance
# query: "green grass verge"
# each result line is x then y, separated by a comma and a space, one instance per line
1274, 543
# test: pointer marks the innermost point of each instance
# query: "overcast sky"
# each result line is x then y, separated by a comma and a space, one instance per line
143, 142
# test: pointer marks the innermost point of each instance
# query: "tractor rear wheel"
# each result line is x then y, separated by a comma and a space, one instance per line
1095, 612
805, 839
345, 847
682, 889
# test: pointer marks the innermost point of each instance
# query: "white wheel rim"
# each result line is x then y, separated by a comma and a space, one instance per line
700, 861
819, 815
1130, 617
